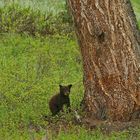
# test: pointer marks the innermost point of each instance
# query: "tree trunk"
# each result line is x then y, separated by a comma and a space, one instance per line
109, 41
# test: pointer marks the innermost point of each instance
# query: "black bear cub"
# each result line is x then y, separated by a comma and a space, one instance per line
59, 100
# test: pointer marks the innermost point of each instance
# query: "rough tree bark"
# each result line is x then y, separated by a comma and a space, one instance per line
109, 41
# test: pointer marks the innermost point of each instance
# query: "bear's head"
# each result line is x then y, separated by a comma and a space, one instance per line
65, 90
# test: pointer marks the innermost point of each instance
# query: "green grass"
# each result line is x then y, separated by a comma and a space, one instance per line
136, 7
32, 67
31, 70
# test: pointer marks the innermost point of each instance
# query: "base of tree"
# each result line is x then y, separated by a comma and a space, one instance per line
61, 122
110, 126
100, 114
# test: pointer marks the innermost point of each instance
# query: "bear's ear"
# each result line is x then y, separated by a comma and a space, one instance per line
60, 86
70, 86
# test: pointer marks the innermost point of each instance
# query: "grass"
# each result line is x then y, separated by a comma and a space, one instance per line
33, 65
31, 70
136, 7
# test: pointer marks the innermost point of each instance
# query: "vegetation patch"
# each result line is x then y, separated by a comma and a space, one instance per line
25, 20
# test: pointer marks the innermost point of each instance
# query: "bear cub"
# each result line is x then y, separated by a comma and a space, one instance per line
59, 100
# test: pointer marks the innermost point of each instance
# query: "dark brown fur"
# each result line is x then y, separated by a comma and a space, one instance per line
59, 100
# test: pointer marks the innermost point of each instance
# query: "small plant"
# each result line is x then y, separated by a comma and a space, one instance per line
24, 20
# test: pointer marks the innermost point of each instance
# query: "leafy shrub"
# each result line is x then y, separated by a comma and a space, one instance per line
17, 19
